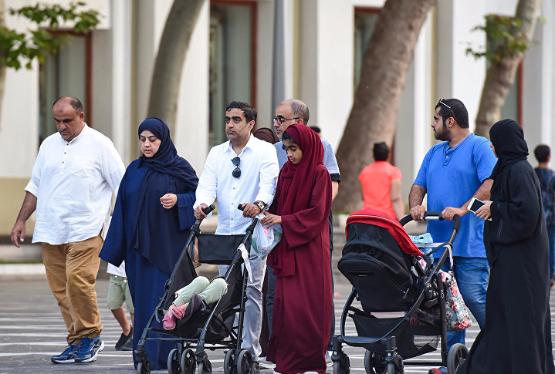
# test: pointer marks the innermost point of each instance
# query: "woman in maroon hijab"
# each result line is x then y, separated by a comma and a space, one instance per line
302, 307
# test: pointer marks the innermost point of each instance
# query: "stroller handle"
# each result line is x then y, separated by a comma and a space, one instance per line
208, 209
429, 216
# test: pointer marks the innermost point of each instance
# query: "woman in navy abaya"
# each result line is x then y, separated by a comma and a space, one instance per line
153, 211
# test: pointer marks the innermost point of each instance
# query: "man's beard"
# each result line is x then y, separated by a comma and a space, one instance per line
443, 133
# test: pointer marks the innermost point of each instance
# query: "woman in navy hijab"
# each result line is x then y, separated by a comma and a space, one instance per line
153, 211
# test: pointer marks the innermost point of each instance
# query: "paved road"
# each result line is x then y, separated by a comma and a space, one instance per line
31, 330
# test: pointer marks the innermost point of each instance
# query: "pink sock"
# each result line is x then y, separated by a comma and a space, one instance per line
168, 322
179, 311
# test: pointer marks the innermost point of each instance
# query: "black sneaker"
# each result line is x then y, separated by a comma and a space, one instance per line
67, 356
124, 341
128, 346
88, 350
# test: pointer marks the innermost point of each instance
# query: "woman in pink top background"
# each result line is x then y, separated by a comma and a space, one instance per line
380, 183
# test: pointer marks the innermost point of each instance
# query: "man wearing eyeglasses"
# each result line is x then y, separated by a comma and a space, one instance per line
292, 112
452, 172
242, 170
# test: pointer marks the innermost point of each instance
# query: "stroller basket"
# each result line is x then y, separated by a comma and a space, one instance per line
219, 249
413, 339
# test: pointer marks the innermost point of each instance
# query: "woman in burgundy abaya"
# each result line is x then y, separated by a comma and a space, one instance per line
302, 307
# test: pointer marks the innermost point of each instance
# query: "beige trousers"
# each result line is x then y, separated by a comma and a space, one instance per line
71, 271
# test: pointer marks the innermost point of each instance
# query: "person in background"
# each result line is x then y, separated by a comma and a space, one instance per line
380, 183
149, 227
266, 134
547, 185
517, 336
118, 294
76, 173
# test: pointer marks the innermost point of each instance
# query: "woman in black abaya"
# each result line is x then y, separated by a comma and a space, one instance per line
517, 336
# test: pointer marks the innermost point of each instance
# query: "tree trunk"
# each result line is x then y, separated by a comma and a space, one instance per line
382, 79
168, 67
501, 75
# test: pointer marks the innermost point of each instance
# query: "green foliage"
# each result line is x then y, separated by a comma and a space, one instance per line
20, 48
505, 38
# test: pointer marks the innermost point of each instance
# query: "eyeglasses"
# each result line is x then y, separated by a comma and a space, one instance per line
236, 119
281, 119
448, 107
236, 173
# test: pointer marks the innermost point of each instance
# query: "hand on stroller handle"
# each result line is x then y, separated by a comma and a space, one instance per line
429, 216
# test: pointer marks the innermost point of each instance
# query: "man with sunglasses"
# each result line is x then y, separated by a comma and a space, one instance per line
452, 172
242, 170
292, 112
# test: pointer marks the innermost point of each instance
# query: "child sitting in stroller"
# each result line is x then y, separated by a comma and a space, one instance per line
190, 299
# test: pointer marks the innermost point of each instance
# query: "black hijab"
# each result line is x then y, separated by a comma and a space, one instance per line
508, 139
166, 160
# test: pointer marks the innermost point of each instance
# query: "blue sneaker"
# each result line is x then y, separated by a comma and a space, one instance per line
88, 350
67, 356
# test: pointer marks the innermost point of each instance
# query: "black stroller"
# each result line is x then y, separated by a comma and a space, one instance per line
213, 326
389, 282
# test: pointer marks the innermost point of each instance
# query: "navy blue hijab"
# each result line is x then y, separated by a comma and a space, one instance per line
160, 233
166, 160
508, 140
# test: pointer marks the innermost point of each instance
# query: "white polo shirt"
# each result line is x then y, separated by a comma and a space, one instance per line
74, 182
259, 172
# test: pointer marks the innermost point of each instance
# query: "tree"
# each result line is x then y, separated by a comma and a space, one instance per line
382, 79
172, 51
18, 49
508, 39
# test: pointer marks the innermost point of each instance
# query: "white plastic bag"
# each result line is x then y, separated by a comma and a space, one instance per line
264, 239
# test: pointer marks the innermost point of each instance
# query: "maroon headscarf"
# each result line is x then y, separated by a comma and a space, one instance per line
294, 190
295, 181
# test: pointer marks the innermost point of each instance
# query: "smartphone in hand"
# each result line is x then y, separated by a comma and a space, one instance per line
475, 204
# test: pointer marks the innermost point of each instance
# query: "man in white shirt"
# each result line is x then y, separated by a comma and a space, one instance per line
75, 174
242, 170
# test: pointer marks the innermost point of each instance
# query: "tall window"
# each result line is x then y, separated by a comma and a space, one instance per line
66, 73
232, 59
365, 21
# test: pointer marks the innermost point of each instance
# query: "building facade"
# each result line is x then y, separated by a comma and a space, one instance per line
261, 51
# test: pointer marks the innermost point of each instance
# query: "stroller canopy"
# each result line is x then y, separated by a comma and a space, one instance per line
377, 218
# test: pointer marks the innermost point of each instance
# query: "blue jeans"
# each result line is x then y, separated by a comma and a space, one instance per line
551, 236
472, 275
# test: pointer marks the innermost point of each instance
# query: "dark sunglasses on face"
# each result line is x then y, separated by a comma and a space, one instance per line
236, 119
236, 173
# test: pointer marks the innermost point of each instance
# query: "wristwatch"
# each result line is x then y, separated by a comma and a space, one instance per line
260, 205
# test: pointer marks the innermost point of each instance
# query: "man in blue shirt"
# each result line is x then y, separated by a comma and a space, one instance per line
453, 172
287, 113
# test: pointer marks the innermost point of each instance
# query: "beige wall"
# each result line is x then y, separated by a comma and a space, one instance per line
11, 197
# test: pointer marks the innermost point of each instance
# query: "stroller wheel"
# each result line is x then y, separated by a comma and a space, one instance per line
244, 362
342, 365
229, 361
456, 356
173, 361
187, 362
369, 363
142, 368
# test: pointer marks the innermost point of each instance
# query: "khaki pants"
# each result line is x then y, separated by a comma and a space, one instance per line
71, 271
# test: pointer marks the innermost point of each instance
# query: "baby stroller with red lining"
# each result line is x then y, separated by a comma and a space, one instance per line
213, 326
386, 272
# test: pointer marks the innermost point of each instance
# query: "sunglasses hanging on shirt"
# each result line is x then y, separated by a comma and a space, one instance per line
236, 173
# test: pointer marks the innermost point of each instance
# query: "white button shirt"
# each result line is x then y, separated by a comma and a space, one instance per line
259, 171
73, 183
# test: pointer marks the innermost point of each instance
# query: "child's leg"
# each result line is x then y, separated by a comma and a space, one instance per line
194, 288
115, 298
214, 291
129, 302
